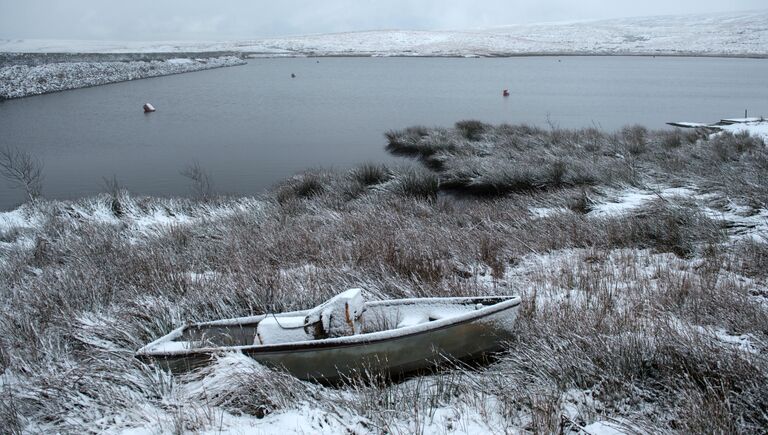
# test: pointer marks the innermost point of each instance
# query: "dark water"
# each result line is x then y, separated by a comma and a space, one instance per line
253, 125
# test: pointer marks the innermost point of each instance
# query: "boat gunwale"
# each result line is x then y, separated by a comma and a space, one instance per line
505, 303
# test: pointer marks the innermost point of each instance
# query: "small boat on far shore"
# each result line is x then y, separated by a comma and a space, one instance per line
720, 124
345, 336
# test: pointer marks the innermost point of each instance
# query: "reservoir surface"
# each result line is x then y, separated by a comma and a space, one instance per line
252, 126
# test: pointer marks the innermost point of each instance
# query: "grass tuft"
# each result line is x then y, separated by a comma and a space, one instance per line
472, 130
417, 184
371, 174
304, 186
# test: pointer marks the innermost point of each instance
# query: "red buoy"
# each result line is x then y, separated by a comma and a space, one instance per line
505, 93
149, 108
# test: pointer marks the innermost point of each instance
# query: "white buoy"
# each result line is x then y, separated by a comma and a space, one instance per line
148, 108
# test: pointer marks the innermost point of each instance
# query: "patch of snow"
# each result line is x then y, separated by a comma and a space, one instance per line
17, 229
15, 219
220, 377
742, 120
8, 378
203, 277
300, 421
689, 124
303, 420
157, 220
742, 222
744, 341
172, 346
627, 201
575, 402
413, 319
459, 419
180, 61
757, 128
299, 272
604, 428
630, 199
541, 212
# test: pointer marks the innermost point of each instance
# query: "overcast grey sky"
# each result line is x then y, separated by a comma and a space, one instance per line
242, 19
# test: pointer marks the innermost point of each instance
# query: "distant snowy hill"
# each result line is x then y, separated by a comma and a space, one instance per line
733, 34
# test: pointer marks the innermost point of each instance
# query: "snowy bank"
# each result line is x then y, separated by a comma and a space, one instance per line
18, 81
757, 127
732, 34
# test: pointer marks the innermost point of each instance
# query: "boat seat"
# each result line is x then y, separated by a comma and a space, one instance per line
280, 329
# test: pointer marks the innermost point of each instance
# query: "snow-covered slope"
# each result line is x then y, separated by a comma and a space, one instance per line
734, 34
18, 81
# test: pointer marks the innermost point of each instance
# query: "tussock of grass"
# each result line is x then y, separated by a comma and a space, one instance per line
472, 130
371, 174
753, 258
667, 226
635, 139
302, 186
417, 184
730, 146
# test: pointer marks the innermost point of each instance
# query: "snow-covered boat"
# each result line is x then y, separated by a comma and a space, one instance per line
346, 335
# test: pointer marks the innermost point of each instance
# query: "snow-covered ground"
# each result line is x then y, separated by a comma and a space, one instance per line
630, 199
18, 81
235, 395
142, 218
742, 222
755, 127
732, 34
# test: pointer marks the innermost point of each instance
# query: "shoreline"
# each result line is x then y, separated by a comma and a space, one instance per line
262, 55
21, 80
145, 65
9, 57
